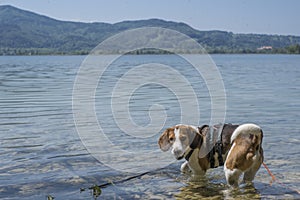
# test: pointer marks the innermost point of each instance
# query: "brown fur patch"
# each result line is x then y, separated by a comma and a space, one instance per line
166, 139
204, 163
242, 153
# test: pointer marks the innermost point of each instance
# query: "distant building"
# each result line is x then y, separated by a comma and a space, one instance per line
265, 48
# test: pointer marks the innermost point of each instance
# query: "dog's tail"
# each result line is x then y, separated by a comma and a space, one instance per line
252, 131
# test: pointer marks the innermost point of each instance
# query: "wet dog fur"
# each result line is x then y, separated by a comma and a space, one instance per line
241, 149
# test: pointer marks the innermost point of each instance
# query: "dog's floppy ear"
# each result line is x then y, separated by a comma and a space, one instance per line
203, 130
166, 138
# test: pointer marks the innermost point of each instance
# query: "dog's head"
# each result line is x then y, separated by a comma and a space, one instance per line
180, 138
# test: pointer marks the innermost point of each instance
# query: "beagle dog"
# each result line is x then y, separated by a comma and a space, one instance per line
240, 146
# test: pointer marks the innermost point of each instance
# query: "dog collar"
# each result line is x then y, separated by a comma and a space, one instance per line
187, 157
197, 141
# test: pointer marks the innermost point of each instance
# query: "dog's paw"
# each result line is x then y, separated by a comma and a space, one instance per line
185, 168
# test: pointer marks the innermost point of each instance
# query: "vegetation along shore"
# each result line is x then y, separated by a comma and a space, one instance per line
27, 33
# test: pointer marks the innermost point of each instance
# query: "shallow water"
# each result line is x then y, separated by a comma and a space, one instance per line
42, 155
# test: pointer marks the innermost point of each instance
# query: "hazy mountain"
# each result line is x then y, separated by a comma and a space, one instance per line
23, 31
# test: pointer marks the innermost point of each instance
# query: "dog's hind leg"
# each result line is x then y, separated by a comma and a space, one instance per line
251, 172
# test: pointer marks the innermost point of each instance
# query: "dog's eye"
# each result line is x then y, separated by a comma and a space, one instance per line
182, 138
171, 139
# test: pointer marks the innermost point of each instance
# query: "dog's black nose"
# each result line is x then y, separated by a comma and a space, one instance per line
178, 154
180, 157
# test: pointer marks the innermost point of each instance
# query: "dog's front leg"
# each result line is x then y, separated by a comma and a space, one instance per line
232, 176
185, 167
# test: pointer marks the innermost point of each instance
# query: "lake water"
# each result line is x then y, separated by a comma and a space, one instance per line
41, 154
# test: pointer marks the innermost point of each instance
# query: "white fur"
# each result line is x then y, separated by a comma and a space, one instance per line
246, 129
185, 167
177, 148
232, 175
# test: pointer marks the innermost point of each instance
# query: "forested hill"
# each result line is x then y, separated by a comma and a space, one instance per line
24, 32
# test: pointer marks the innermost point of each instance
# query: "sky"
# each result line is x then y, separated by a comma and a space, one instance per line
238, 16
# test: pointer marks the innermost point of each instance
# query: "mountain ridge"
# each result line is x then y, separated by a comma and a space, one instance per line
25, 32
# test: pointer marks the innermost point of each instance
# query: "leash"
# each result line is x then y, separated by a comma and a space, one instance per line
275, 180
270, 173
97, 189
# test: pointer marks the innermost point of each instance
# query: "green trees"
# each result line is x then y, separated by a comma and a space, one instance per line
27, 33
294, 49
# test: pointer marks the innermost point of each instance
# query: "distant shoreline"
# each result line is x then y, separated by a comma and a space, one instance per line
28, 33
294, 49
214, 53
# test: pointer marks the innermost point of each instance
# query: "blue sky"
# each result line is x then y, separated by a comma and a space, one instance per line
238, 16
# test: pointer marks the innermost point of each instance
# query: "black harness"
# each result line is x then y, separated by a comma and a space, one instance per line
211, 155
197, 142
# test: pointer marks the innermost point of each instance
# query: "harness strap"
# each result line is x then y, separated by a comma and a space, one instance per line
211, 155
197, 141
187, 157
211, 158
219, 148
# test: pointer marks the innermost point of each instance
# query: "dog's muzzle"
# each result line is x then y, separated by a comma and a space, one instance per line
178, 154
